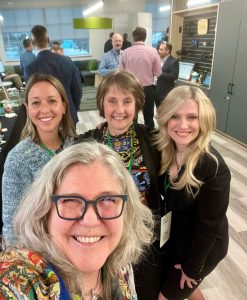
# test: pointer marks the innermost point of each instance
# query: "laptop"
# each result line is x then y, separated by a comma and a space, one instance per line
185, 70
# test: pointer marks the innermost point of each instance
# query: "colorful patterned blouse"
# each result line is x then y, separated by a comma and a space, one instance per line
26, 275
128, 147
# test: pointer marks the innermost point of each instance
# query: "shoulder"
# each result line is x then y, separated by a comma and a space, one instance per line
207, 166
90, 136
22, 148
33, 273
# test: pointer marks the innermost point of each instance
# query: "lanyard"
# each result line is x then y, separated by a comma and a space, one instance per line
51, 152
109, 143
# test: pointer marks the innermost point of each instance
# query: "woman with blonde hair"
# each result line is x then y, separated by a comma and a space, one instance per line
48, 130
195, 184
76, 230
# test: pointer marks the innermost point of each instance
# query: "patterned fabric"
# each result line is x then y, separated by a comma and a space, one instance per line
122, 144
26, 275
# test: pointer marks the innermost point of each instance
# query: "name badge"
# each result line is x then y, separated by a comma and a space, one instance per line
165, 228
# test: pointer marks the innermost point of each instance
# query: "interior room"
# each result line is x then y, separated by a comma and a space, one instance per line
214, 50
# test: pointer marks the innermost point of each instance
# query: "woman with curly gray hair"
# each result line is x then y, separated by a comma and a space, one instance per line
76, 230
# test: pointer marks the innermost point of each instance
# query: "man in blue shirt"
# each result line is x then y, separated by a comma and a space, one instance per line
110, 60
27, 56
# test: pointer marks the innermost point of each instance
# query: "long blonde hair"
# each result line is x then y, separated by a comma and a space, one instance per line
198, 147
31, 220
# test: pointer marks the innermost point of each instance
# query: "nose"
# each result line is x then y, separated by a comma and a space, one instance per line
90, 217
183, 123
45, 108
120, 107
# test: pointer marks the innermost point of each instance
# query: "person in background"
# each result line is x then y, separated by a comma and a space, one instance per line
108, 43
56, 48
76, 230
170, 69
194, 183
110, 60
144, 62
27, 56
126, 43
56, 65
119, 99
47, 131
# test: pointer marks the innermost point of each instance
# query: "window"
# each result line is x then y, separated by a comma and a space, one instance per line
59, 23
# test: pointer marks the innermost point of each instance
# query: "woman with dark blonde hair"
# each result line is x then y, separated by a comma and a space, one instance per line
195, 183
47, 131
77, 230
119, 99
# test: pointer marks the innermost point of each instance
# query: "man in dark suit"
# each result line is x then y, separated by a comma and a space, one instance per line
58, 66
170, 70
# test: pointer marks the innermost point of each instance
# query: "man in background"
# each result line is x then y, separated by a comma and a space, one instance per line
57, 48
108, 43
27, 56
144, 62
170, 70
126, 43
57, 65
110, 60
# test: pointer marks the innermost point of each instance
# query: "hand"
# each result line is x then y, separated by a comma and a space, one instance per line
161, 297
184, 278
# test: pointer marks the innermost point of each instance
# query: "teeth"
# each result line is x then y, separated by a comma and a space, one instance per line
88, 239
45, 119
183, 133
118, 118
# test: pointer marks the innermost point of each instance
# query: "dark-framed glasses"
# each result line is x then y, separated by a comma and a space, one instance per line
106, 207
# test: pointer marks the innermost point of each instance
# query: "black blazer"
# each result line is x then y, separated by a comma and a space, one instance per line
62, 68
169, 74
199, 228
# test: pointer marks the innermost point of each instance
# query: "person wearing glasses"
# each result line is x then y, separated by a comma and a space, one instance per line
119, 99
48, 130
76, 230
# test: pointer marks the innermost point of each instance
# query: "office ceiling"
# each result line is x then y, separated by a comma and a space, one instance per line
120, 4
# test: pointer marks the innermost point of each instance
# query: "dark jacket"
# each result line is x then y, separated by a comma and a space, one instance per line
150, 154
165, 82
62, 68
108, 45
199, 229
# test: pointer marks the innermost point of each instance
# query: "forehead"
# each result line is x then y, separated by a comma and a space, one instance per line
163, 47
116, 90
117, 37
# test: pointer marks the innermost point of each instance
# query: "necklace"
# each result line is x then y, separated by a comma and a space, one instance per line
109, 143
92, 293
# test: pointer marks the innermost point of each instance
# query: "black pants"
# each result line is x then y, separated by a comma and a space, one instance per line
148, 109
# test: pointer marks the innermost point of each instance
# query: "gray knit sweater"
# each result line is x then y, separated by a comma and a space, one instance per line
20, 168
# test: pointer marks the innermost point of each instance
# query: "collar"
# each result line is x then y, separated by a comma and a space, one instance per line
43, 49
139, 43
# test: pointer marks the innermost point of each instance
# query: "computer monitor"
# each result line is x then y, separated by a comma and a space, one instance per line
185, 70
1, 67
207, 80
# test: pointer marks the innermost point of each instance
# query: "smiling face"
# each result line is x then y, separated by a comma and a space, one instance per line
119, 110
88, 242
45, 107
183, 127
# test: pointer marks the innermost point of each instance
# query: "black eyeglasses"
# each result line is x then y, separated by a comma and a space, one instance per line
106, 207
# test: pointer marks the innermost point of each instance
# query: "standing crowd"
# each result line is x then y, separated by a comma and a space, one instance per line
122, 211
